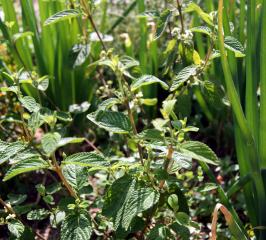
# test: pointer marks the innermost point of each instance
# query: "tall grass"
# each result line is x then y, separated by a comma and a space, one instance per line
250, 115
48, 50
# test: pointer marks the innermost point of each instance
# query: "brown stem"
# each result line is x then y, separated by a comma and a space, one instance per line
96, 30
92, 145
60, 174
181, 16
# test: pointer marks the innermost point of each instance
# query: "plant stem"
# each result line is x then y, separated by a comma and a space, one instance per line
62, 178
89, 17
179, 8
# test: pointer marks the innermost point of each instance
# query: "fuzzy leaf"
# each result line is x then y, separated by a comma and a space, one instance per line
76, 227
115, 122
38, 214
108, 103
147, 80
78, 55
9, 150
199, 151
69, 140
162, 23
191, 7
61, 16
77, 176
26, 166
30, 104
50, 142
16, 228
183, 76
126, 198
202, 29
85, 159
234, 45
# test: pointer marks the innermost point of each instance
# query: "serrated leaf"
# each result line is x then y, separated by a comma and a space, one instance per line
147, 80
108, 103
26, 166
77, 176
50, 142
63, 116
115, 122
79, 54
126, 198
151, 134
61, 16
9, 150
180, 161
150, 13
16, 199
13, 89
163, 20
202, 29
69, 140
76, 227
191, 7
38, 214
86, 159
234, 45
42, 83
183, 76
16, 228
199, 151
30, 104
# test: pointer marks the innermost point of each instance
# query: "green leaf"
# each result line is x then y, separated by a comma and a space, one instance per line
191, 7
18, 36
147, 80
160, 232
38, 214
162, 23
168, 107
16, 228
151, 134
149, 101
42, 83
26, 166
85, 159
76, 227
61, 16
199, 151
173, 202
234, 45
183, 76
108, 103
9, 150
115, 122
126, 198
79, 54
50, 142
202, 29
16, 199
30, 104
77, 176
69, 140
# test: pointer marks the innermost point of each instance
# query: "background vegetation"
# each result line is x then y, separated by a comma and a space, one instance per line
132, 119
